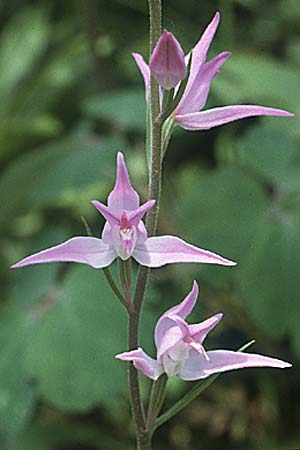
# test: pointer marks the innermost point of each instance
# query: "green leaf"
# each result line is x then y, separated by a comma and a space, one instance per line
22, 43
275, 159
125, 109
220, 211
268, 278
71, 355
60, 173
16, 394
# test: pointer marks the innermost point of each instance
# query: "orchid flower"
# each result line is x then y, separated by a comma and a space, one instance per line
124, 236
180, 350
188, 114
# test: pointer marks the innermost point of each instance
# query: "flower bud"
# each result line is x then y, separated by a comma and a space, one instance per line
167, 62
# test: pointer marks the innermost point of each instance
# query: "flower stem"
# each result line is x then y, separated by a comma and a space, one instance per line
157, 398
155, 139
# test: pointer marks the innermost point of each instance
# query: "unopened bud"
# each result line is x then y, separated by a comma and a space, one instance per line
167, 62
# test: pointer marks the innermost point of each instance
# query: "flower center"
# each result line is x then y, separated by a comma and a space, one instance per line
196, 346
124, 236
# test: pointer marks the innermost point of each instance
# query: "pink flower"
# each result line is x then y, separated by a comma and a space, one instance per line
167, 61
180, 350
124, 236
188, 114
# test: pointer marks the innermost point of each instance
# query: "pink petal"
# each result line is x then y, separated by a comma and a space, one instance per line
112, 217
215, 117
84, 250
158, 251
195, 95
135, 216
167, 62
200, 50
171, 336
197, 366
199, 331
149, 366
123, 196
145, 71
166, 321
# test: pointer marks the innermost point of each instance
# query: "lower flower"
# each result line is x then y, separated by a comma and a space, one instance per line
180, 350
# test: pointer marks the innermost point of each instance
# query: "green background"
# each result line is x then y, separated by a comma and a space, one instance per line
70, 98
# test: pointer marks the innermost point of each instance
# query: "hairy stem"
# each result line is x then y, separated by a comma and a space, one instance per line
143, 436
157, 398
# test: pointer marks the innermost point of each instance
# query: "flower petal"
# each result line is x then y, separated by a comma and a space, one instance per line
215, 117
123, 196
200, 50
171, 336
149, 366
135, 216
197, 367
145, 71
199, 331
166, 321
112, 217
85, 250
158, 251
195, 95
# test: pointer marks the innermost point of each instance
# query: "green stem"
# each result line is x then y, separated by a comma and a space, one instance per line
157, 397
154, 138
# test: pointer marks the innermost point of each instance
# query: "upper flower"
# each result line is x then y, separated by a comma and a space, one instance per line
188, 114
180, 350
124, 236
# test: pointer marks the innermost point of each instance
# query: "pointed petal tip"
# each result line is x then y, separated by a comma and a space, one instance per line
277, 112
215, 20
121, 356
286, 365
150, 202
230, 263
195, 288
226, 54
120, 156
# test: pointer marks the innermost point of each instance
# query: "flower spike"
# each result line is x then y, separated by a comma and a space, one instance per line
180, 350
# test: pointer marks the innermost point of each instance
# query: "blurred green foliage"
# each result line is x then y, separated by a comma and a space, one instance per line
70, 98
